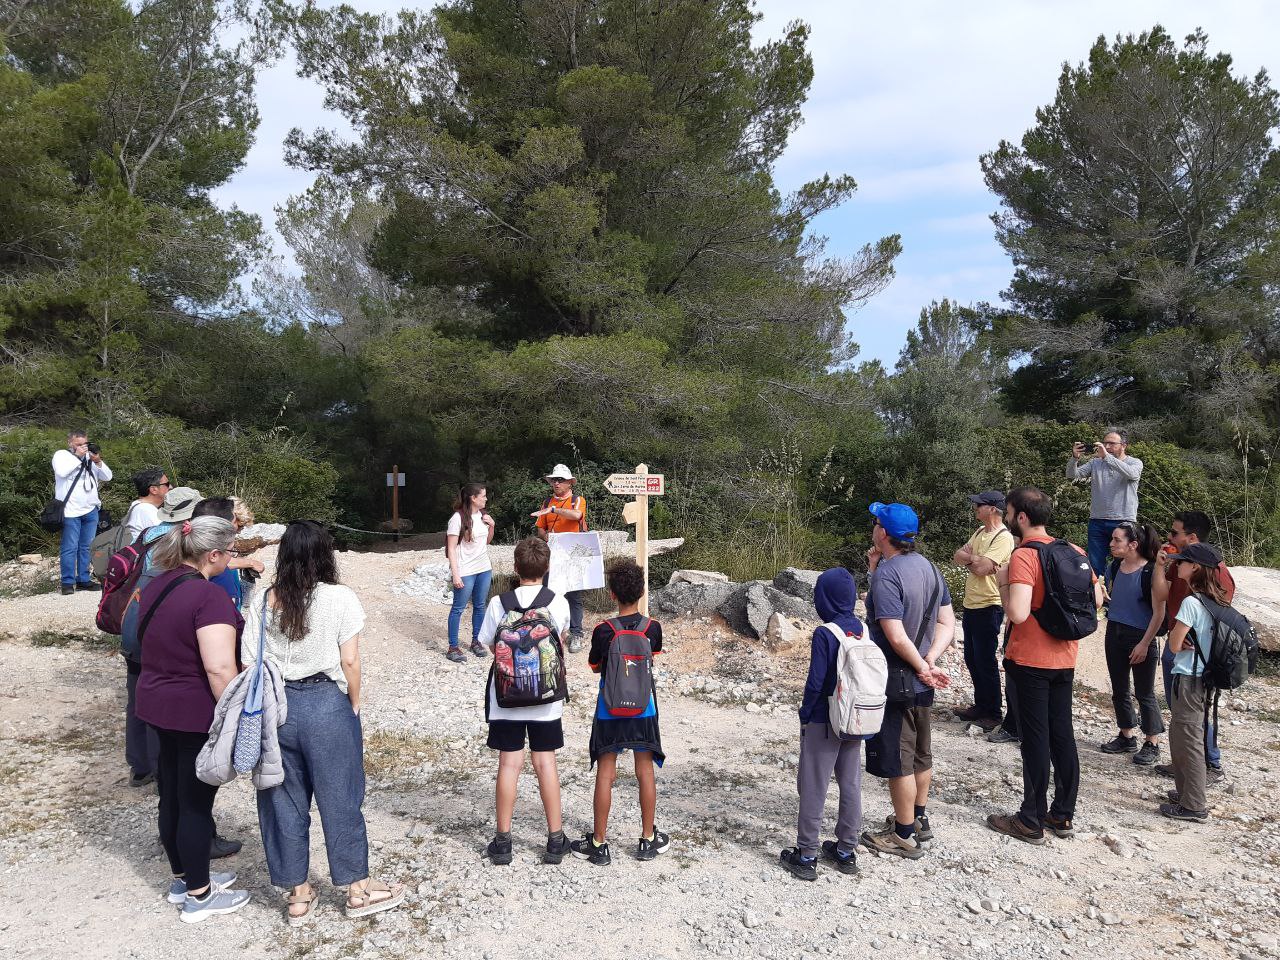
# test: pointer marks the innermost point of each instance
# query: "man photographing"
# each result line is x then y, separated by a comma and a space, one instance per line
77, 471
1114, 494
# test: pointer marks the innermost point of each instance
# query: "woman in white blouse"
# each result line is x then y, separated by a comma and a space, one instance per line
312, 634
467, 541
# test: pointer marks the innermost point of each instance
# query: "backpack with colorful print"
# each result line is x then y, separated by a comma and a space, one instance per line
528, 659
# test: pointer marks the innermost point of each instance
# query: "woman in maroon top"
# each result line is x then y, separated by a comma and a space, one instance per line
189, 631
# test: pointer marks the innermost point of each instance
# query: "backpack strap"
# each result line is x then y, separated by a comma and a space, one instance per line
543, 599
509, 601
169, 588
1147, 573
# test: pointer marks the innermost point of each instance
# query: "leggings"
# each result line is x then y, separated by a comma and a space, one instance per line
186, 807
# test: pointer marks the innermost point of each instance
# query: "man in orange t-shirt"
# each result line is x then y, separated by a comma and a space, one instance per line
564, 512
1043, 673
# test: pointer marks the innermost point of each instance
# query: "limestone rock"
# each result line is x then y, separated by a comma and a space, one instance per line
1258, 598
748, 607
695, 599
784, 633
697, 577
30, 558
797, 583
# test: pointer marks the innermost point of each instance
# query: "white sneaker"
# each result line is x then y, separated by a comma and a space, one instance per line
219, 901
178, 889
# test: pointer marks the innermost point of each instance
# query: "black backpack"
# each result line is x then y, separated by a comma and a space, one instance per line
1233, 650
1068, 611
1113, 571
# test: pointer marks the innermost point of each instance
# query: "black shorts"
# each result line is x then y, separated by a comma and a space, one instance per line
509, 735
904, 744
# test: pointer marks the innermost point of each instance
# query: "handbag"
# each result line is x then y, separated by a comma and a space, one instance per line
901, 685
247, 749
51, 517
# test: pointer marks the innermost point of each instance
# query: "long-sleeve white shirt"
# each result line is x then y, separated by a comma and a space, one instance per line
84, 498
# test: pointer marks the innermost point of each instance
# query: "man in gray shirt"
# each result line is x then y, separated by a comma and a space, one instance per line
1114, 497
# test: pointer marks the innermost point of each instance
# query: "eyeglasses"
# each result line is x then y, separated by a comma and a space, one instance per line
163, 483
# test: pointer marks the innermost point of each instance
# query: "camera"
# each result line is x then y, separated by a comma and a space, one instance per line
93, 448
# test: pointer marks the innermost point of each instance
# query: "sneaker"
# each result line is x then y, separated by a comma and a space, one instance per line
887, 841
1176, 811
575, 642
987, 724
1011, 825
970, 712
1173, 795
1164, 769
1121, 744
90, 587
499, 851
68, 589
845, 862
221, 847
805, 868
557, 849
218, 901
1059, 827
141, 779
923, 831
1147, 755
648, 849
1001, 735
587, 850
456, 655
1214, 774
478, 649
178, 888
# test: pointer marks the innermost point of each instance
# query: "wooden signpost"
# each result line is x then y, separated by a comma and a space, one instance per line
642, 485
395, 480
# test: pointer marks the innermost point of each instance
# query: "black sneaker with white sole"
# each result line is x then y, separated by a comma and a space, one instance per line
648, 849
1176, 811
1121, 744
844, 862
802, 867
586, 849
557, 849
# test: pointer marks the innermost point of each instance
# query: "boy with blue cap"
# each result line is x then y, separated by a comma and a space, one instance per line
910, 618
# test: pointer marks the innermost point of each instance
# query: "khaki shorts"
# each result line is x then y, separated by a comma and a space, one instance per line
904, 745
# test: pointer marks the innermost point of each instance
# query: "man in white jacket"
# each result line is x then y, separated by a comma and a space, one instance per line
77, 471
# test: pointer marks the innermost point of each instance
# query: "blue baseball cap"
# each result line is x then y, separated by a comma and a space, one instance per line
898, 520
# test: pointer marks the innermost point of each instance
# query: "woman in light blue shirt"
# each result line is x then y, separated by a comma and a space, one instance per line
1191, 640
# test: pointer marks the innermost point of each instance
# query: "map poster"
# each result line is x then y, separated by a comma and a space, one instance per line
577, 562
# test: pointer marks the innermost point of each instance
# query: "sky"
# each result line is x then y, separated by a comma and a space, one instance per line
906, 97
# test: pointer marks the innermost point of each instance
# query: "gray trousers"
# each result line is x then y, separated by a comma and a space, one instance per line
1186, 741
821, 755
141, 745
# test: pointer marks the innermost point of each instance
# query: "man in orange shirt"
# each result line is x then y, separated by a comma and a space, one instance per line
1043, 674
564, 513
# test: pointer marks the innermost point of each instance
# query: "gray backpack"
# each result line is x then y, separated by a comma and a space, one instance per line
628, 678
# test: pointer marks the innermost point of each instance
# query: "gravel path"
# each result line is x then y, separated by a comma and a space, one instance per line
83, 876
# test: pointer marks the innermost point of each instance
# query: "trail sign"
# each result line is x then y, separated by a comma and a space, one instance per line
636, 484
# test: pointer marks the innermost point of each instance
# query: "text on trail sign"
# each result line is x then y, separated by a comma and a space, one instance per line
393, 477
636, 484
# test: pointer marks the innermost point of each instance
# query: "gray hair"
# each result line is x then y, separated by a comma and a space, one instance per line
190, 541
1119, 432
77, 433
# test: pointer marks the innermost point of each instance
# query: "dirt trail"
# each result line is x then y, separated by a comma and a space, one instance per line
82, 874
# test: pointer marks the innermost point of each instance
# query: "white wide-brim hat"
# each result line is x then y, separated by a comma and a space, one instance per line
560, 472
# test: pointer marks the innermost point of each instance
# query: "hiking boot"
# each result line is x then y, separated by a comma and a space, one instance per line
178, 888
1176, 811
887, 841
1173, 795
68, 589
970, 712
987, 724
648, 849
1164, 769
587, 850
89, 587
478, 649
557, 849
220, 847
1001, 735
499, 851
1059, 827
845, 862
1213, 774
214, 903
575, 641
456, 655
805, 868
1148, 755
1011, 825
1121, 744
923, 831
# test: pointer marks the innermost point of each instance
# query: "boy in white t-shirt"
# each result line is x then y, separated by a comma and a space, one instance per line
510, 726
467, 547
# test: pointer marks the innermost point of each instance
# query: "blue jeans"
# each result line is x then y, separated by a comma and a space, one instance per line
1099, 547
73, 552
321, 747
1212, 755
475, 589
981, 637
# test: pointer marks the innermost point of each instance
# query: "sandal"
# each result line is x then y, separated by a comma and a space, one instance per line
364, 904
298, 919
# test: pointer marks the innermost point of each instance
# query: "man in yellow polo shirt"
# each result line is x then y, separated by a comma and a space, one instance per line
985, 552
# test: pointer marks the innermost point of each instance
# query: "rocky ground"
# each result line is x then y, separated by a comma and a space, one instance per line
83, 876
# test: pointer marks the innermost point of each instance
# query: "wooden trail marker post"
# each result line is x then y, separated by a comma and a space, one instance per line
642, 485
395, 480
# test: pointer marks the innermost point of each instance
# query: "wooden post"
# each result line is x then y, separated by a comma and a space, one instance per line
395, 501
642, 540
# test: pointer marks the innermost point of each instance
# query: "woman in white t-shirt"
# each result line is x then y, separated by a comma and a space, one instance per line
467, 540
